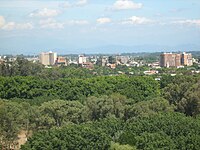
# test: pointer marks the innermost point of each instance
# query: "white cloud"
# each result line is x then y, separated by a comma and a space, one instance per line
126, 4
78, 3
24, 26
103, 20
188, 22
65, 5
137, 20
17, 26
9, 26
81, 3
78, 22
13, 25
45, 12
2, 21
51, 24
177, 10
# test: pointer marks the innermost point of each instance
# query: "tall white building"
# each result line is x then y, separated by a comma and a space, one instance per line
48, 58
82, 59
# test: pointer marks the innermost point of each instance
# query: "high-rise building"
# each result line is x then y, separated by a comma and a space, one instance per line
175, 60
82, 59
104, 61
186, 59
178, 60
122, 59
48, 58
167, 60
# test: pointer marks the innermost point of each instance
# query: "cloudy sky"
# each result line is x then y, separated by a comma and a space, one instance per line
77, 26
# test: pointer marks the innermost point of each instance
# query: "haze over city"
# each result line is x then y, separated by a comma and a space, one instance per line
98, 26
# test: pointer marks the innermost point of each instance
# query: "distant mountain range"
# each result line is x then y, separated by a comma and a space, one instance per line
108, 49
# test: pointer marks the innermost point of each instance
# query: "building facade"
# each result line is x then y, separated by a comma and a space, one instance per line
175, 60
61, 61
48, 58
186, 59
82, 59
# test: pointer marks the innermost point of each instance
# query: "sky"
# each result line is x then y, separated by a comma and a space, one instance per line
98, 26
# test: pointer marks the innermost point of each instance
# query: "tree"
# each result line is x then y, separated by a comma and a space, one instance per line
139, 88
148, 108
73, 137
190, 103
30, 115
105, 106
11, 122
112, 59
20, 66
113, 127
185, 96
99, 107
162, 131
118, 101
59, 112
117, 146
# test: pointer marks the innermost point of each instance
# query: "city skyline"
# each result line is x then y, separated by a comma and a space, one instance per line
88, 26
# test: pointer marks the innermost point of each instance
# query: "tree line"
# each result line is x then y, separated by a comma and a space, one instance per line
138, 88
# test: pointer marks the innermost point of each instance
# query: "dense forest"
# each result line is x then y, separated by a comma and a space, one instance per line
71, 108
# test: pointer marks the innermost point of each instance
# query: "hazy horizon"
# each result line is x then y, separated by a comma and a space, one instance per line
98, 26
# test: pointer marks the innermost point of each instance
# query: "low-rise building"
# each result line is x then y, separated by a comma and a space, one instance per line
150, 72
61, 61
88, 65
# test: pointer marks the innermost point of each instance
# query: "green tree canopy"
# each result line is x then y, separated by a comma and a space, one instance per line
74, 137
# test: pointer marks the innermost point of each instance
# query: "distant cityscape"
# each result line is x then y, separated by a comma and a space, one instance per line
164, 60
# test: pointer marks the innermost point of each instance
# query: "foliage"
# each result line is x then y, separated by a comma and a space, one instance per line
162, 131
20, 67
148, 108
138, 88
58, 113
76, 108
11, 121
112, 126
71, 137
117, 146
190, 103
105, 106
184, 94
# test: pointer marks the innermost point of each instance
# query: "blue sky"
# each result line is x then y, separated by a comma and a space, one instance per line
95, 26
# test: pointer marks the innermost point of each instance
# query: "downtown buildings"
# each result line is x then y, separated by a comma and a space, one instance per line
166, 60
176, 59
48, 58
51, 58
